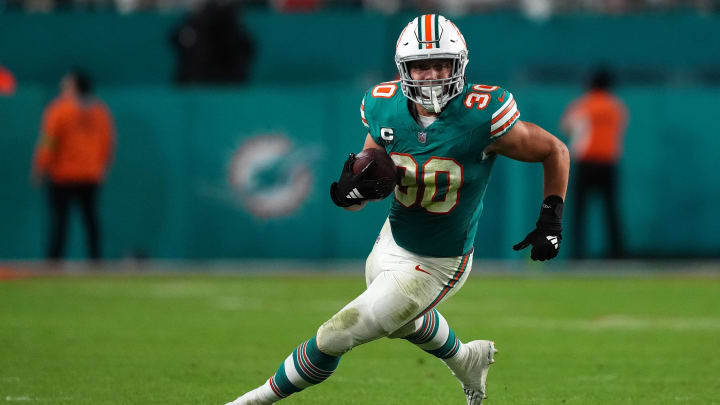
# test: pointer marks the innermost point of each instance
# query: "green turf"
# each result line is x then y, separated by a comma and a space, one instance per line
207, 339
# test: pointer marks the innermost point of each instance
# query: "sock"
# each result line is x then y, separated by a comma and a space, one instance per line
435, 337
304, 367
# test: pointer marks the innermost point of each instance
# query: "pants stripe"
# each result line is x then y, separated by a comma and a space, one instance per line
458, 274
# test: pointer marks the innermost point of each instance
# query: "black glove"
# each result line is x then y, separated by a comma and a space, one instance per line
353, 188
546, 237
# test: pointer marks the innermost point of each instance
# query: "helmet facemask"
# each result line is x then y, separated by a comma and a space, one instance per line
433, 94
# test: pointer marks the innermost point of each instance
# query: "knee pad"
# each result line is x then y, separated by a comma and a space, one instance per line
334, 337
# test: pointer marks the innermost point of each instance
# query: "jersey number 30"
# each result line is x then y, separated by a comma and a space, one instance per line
407, 192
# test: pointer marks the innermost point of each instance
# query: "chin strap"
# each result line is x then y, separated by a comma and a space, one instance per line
434, 99
436, 105
432, 95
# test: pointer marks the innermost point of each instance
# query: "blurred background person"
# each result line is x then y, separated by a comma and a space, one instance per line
8, 83
596, 125
212, 46
73, 153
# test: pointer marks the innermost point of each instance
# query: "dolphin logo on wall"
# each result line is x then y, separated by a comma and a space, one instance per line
270, 175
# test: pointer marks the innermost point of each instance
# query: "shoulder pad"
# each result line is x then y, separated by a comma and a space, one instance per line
378, 95
385, 90
499, 104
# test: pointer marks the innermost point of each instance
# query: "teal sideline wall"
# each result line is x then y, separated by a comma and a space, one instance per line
168, 194
357, 47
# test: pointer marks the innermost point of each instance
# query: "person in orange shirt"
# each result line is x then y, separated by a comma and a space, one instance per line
8, 84
596, 124
74, 151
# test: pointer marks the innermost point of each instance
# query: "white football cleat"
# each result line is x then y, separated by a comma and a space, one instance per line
473, 377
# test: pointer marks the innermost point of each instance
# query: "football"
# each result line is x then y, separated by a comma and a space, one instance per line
383, 171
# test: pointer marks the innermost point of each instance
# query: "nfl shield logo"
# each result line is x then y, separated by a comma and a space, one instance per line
422, 137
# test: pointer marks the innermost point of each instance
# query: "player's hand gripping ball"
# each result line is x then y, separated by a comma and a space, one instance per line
369, 175
379, 168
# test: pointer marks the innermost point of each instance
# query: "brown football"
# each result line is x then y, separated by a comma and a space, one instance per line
383, 170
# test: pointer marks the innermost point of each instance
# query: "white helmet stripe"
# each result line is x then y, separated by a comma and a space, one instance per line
433, 29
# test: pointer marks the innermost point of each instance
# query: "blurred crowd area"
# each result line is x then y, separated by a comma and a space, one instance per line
536, 8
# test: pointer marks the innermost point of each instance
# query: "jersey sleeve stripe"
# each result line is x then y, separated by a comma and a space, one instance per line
504, 106
504, 118
508, 112
503, 112
501, 130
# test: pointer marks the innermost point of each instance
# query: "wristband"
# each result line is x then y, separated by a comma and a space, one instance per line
551, 213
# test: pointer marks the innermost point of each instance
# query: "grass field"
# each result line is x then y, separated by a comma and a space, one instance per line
174, 339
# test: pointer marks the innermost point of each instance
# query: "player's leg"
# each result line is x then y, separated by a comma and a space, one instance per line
581, 189
385, 306
433, 334
609, 192
469, 362
304, 367
59, 198
87, 194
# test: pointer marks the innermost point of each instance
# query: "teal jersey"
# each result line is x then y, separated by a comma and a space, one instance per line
444, 169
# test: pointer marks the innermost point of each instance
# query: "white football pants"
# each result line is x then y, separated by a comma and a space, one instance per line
401, 287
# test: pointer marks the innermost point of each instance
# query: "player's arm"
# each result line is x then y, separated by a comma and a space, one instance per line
528, 142
46, 145
370, 143
350, 191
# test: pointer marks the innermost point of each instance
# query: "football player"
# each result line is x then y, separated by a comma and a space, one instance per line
443, 135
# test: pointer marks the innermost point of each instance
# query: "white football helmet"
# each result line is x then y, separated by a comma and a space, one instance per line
431, 36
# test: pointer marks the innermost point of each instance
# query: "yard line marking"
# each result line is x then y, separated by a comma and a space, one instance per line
24, 398
616, 322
